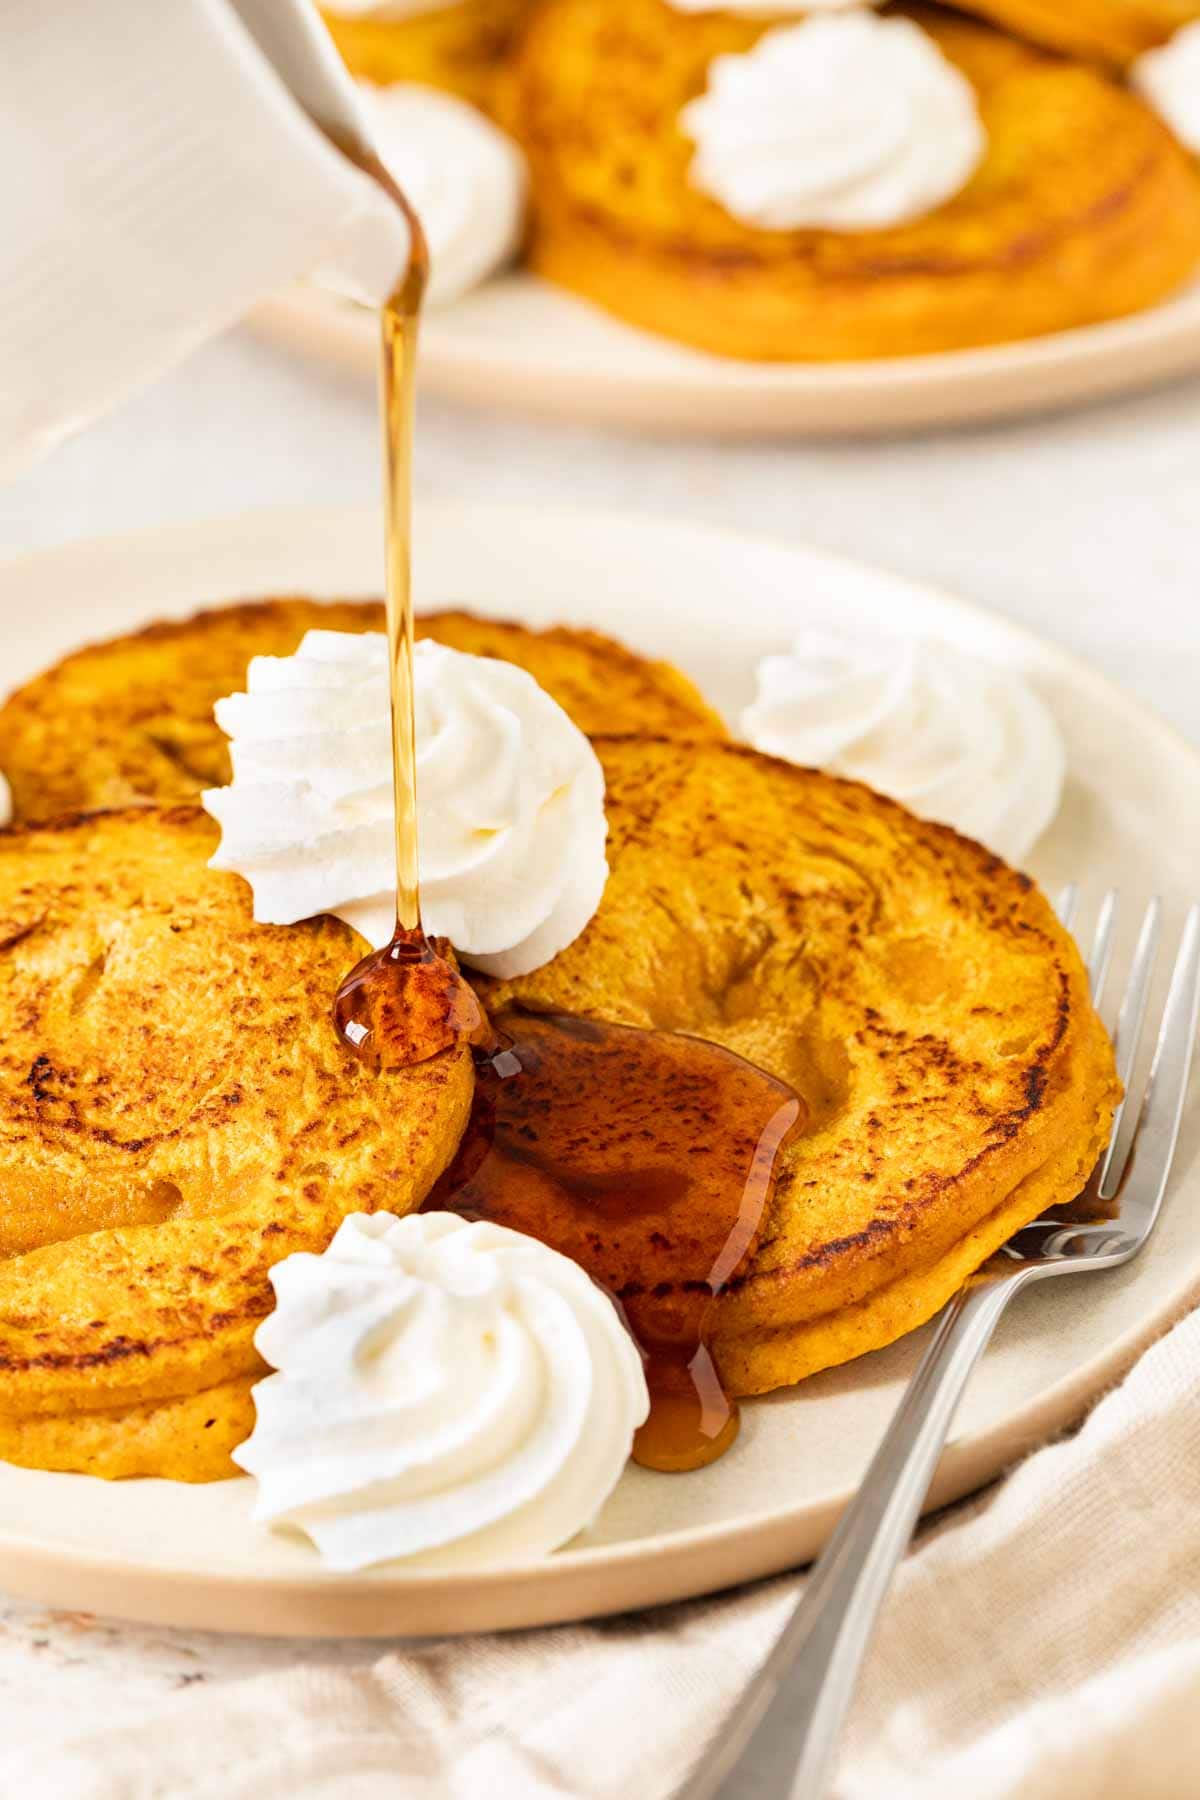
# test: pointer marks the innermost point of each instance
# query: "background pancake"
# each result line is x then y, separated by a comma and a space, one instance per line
131, 719
919, 994
176, 1115
457, 47
1084, 207
1114, 30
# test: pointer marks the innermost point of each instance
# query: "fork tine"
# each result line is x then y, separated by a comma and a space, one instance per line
1128, 1033
1066, 903
1102, 945
1157, 1130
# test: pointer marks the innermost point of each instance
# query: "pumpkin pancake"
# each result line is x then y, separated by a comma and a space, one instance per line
458, 46
176, 1115
131, 720
1083, 208
920, 995
1114, 31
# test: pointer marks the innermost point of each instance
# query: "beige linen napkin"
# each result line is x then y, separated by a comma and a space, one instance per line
1042, 1643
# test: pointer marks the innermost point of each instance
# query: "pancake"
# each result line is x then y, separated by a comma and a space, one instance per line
457, 47
1083, 208
1114, 31
919, 994
176, 1115
131, 719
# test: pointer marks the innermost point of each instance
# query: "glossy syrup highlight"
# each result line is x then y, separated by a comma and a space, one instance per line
648, 1158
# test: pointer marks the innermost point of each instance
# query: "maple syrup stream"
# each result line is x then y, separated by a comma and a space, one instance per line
647, 1157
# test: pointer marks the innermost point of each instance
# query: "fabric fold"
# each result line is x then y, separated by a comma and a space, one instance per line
1042, 1643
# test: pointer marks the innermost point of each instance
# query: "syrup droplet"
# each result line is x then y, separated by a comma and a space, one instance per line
648, 1158
405, 1003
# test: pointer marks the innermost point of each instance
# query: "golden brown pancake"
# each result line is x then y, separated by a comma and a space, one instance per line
176, 1115
458, 47
1113, 31
131, 719
1084, 207
919, 994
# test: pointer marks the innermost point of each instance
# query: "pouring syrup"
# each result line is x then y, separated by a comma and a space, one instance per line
405, 1003
647, 1157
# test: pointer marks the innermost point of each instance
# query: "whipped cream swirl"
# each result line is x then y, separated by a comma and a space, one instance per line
388, 9
450, 1391
953, 738
464, 178
1169, 78
510, 798
843, 123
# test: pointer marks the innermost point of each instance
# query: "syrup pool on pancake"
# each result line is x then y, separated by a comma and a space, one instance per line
649, 1158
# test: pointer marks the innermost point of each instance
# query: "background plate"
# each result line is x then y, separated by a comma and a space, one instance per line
521, 344
713, 601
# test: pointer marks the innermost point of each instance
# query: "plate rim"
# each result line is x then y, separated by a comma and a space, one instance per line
733, 397
773, 1538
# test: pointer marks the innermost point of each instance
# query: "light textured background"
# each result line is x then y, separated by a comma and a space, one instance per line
1084, 526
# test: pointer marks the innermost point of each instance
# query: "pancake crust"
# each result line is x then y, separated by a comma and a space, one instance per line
919, 994
1113, 31
458, 47
1084, 207
176, 1115
131, 719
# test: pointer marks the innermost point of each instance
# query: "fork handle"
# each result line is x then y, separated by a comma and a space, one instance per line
792, 1713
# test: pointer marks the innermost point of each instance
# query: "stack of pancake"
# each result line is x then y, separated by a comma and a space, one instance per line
1084, 207
176, 1113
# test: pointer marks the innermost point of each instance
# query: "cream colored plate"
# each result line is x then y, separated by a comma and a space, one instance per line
522, 344
714, 602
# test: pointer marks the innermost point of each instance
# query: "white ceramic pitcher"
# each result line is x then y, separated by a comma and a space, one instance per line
163, 165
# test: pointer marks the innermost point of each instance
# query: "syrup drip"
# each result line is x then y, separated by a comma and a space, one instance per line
405, 1003
648, 1158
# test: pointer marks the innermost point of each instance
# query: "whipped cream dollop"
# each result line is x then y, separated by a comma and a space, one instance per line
465, 179
444, 1390
389, 9
1169, 78
845, 123
510, 799
955, 739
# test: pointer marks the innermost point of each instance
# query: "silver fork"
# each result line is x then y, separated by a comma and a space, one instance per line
793, 1711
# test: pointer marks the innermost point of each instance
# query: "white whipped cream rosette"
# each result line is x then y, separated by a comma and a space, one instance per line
1169, 79
955, 739
450, 1391
510, 793
465, 179
388, 9
846, 122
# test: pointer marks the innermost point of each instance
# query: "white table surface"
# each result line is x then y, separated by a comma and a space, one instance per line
1084, 526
